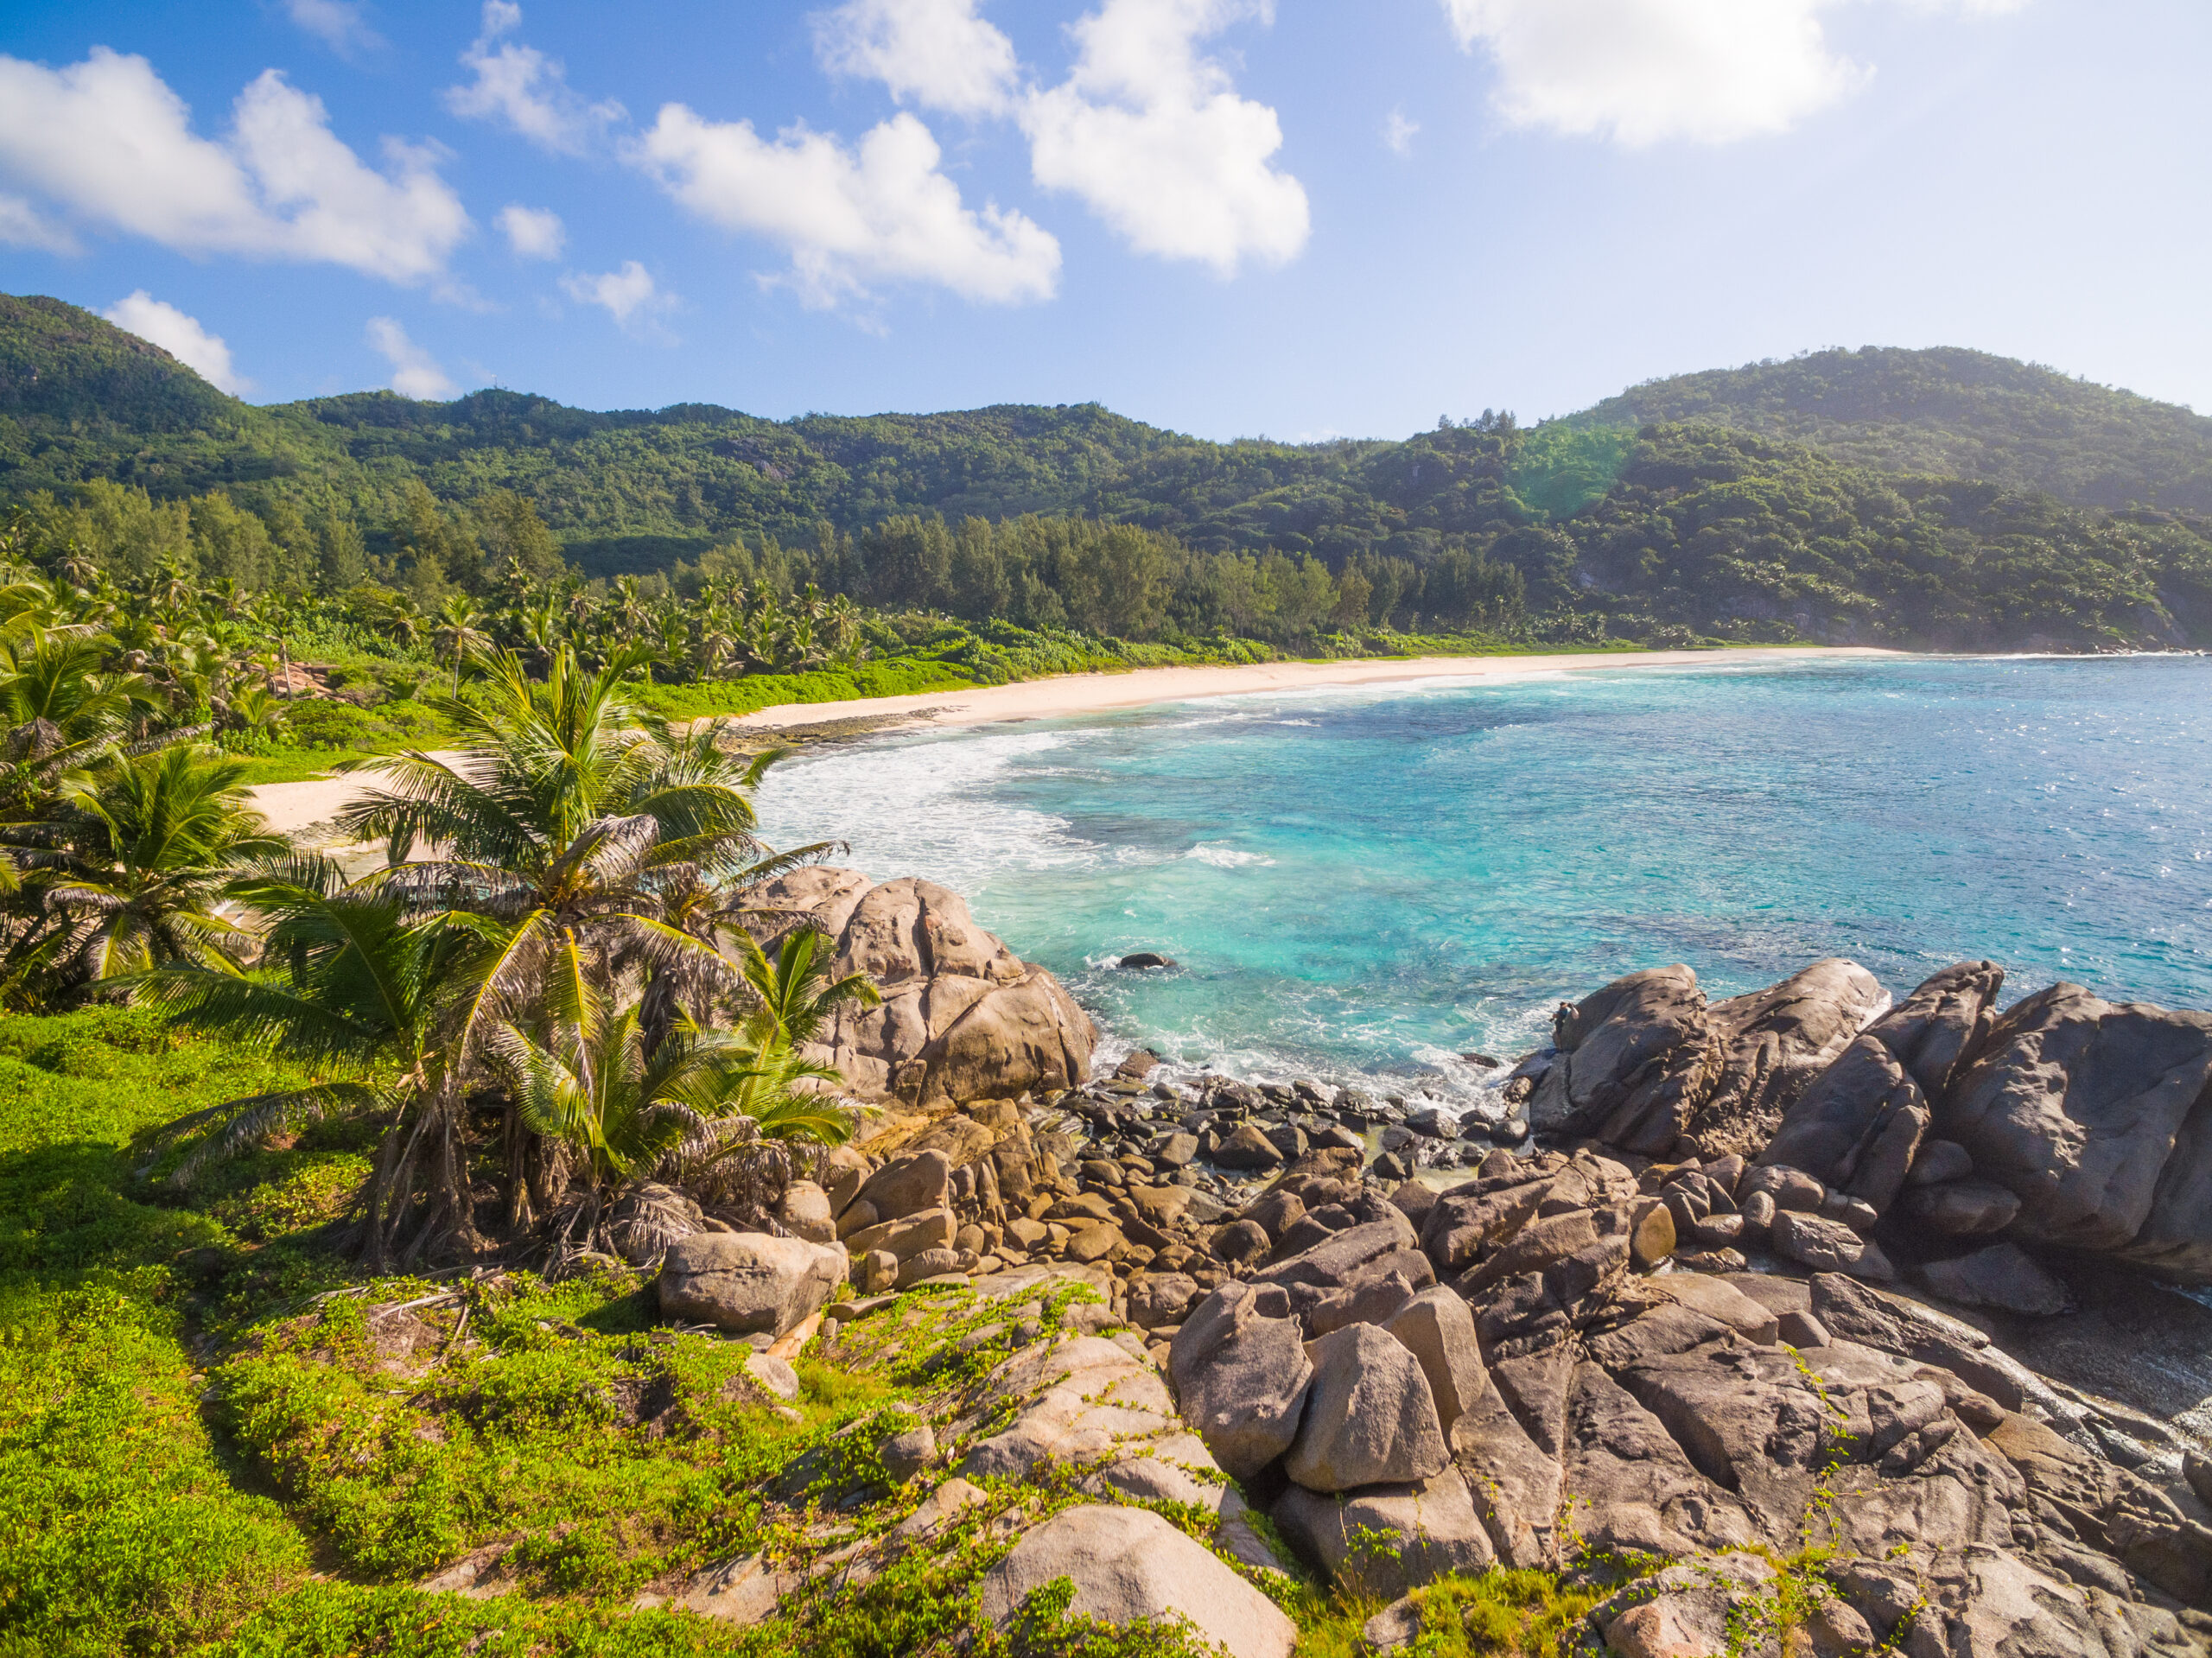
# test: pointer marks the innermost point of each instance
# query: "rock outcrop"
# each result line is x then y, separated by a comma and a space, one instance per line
2095, 1114
961, 1018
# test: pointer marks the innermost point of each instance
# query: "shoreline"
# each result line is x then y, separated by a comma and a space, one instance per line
1073, 693
292, 806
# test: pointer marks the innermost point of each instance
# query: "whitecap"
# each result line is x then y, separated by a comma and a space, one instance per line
1221, 856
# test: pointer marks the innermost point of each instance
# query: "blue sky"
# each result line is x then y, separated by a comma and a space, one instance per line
1302, 219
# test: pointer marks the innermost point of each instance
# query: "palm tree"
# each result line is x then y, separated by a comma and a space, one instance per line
594, 1085
459, 633
362, 987
133, 863
569, 821
58, 711
794, 994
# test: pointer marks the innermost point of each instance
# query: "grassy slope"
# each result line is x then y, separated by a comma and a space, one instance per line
207, 1447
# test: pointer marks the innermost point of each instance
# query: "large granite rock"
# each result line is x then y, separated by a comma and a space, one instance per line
1776, 1041
962, 1017
1388, 1539
1938, 1030
746, 1282
1858, 1128
2095, 1114
1370, 1417
1129, 1563
1240, 1371
1636, 1059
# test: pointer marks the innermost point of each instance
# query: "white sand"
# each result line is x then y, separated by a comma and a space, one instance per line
293, 806
1040, 699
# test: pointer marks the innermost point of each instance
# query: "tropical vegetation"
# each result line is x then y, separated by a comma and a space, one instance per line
1930, 499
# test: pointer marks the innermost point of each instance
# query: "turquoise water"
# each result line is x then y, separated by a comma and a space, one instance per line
1363, 883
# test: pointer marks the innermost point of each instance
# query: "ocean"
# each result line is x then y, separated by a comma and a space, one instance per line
1361, 885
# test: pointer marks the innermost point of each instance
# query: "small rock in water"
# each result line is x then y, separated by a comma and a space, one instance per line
1147, 958
1482, 1060
1138, 1066
1434, 1121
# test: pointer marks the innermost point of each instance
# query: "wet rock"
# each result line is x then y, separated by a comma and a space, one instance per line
748, 1283
1128, 1564
2002, 1276
1144, 958
2082, 1108
1137, 1066
1241, 1372
1388, 1539
1370, 1417
1433, 1122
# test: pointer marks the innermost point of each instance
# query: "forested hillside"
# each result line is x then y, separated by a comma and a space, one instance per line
1938, 498
1959, 412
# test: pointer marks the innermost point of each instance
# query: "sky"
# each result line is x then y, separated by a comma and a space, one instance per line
1300, 219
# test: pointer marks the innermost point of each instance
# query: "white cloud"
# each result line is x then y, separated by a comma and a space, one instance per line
878, 212
1153, 137
339, 24
415, 373
1640, 72
626, 294
939, 53
521, 86
24, 227
107, 141
181, 337
1398, 132
532, 232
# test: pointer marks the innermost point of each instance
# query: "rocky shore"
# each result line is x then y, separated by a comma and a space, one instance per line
1804, 1321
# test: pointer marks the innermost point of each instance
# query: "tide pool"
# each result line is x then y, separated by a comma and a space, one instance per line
1363, 884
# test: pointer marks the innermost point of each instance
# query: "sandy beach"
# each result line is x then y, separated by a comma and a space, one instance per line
293, 806
1042, 699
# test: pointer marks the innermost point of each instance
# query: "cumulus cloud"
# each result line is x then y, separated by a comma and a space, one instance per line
1398, 132
1640, 72
528, 91
939, 53
107, 141
879, 211
339, 24
415, 373
181, 337
1154, 138
532, 232
628, 295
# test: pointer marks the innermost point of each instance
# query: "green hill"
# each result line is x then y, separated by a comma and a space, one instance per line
1961, 413
1923, 498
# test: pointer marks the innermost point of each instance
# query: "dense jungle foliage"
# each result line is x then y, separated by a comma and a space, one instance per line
1831, 499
